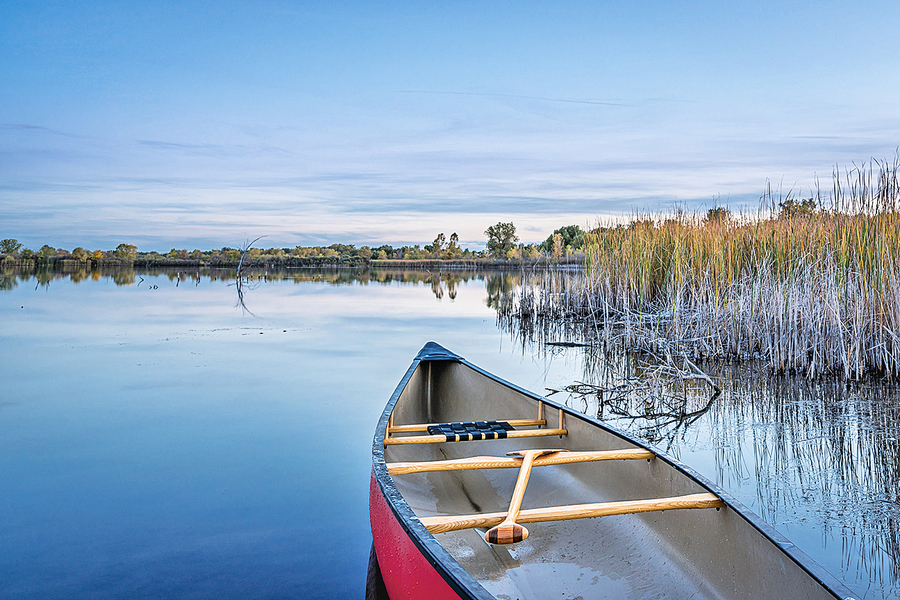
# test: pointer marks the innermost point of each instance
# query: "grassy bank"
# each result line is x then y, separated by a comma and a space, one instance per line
809, 286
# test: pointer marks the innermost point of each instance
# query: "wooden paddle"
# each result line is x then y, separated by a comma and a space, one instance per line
508, 531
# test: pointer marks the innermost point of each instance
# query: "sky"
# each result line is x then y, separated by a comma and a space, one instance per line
207, 124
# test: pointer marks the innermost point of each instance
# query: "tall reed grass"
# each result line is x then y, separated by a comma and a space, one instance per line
811, 291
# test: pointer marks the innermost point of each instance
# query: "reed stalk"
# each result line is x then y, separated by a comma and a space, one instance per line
814, 291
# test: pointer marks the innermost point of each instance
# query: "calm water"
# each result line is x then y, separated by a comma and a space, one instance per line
159, 439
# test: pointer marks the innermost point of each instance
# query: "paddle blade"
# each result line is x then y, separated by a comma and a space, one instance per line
506, 533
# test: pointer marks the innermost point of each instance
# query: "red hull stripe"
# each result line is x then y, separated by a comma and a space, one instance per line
407, 574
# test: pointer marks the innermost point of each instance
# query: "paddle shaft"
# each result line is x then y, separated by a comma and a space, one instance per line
508, 532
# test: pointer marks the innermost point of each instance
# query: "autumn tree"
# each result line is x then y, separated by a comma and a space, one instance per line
501, 239
558, 245
80, 254
126, 251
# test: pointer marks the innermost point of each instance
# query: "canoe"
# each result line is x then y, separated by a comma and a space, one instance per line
577, 510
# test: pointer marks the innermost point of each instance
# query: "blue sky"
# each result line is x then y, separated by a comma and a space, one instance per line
204, 124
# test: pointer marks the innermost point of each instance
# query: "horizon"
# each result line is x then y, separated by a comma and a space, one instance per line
171, 125
767, 209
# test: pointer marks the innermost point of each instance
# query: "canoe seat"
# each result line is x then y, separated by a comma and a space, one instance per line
464, 431
471, 430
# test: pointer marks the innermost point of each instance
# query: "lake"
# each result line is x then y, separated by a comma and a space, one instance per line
161, 438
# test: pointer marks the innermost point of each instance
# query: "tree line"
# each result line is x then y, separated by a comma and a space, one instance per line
564, 244
502, 243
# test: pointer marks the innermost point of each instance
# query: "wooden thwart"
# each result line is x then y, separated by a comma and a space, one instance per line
510, 462
573, 511
436, 439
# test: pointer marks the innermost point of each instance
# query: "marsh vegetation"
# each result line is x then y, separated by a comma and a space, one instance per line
808, 285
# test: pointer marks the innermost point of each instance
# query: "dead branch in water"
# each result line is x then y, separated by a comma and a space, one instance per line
239, 277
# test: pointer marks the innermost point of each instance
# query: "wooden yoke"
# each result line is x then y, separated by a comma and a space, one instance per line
508, 531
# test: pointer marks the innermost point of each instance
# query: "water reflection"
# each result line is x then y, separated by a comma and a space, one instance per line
814, 458
820, 461
443, 283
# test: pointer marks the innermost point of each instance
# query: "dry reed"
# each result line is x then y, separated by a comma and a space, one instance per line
814, 291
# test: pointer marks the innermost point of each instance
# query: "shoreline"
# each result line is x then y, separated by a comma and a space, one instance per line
64, 264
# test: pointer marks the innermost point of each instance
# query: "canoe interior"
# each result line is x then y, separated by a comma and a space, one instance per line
709, 553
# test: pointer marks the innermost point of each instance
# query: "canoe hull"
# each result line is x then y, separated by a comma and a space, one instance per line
723, 553
406, 573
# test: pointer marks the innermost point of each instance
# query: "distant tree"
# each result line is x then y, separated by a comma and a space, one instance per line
719, 214
412, 253
438, 245
9, 246
571, 235
126, 251
501, 239
80, 253
453, 249
365, 253
97, 254
46, 252
558, 246
343, 250
791, 208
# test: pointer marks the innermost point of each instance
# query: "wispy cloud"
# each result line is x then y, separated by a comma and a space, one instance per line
519, 96
23, 126
178, 145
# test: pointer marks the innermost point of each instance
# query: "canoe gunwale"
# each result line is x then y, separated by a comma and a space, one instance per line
456, 577
467, 586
